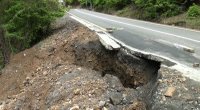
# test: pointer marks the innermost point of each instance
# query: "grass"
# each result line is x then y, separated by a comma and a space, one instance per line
183, 21
129, 12
180, 20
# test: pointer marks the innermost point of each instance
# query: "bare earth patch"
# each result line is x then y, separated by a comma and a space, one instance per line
69, 69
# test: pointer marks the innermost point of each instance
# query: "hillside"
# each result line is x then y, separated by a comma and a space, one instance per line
65, 71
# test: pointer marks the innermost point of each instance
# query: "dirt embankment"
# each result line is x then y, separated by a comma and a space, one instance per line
72, 70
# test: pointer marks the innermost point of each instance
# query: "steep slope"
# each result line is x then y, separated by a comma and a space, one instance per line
71, 69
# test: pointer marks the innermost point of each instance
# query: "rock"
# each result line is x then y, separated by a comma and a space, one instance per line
116, 98
170, 81
52, 49
90, 95
45, 73
89, 109
190, 50
1, 103
183, 79
163, 98
104, 108
9, 97
76, 107
79, 69
170, 91
54, 108
187, 97
96, 108
102, 103
27, 81
7, 102
28, 78
196, 65
137, 105
89, 60
160, 80
77, 92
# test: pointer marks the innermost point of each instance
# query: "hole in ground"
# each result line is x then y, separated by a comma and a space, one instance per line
133, 72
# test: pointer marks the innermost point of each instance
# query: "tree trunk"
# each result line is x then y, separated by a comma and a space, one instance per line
187, 3
4, 47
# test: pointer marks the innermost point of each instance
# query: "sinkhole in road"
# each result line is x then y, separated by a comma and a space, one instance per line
134, 73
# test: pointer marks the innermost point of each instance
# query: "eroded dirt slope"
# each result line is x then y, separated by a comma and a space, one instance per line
71, 69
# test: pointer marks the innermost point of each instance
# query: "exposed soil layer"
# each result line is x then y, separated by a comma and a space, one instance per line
72, 70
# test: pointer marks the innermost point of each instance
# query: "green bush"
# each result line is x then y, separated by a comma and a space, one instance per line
104, 4
194, 11
157, 8
71, 2
26, 21
117, 4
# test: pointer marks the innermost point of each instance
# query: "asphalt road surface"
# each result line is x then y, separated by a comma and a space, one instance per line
168, 42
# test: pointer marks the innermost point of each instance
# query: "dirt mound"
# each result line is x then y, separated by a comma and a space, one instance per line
71, 69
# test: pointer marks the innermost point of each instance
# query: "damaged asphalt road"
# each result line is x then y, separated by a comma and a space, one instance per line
71, 70
173, 46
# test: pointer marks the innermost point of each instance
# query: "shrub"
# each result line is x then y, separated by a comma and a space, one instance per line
105, 4
71, 2
194, 11
157, 8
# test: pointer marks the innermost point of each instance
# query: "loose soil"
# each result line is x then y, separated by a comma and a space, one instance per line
72, 70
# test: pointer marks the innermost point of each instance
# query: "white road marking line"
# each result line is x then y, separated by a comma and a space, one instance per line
193, 40
135, 20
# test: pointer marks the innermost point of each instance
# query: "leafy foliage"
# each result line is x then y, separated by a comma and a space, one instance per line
104, 4
71, 2
26, 20
149, 9
194, 11
156, 8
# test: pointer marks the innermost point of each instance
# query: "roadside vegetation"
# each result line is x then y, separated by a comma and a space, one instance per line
24, 23
188, 19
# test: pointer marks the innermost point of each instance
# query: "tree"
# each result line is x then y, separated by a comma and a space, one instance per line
4, 47
24, 22
72, 2
104, 4
187, 3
